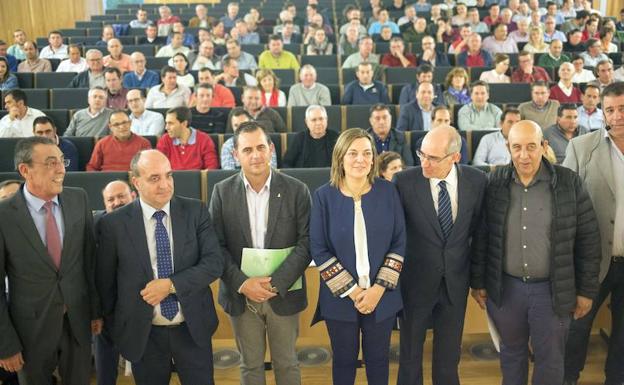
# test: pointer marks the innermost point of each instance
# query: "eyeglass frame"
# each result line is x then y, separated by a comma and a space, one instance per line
433, 159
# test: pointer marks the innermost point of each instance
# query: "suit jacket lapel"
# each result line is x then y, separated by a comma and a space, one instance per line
239, 195
464, 192
422, 191
135, 229
603, 154
68, 223
178, 231
275, 204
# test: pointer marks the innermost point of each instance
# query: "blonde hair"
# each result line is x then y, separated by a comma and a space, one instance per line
261, 74
541, 42
337, 173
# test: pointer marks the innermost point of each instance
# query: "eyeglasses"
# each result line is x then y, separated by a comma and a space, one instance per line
54, 163
433, 159
120, 124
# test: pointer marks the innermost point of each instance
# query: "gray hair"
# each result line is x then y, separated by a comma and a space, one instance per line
94, 51
313, 107
24, 149
307, 67
96, 88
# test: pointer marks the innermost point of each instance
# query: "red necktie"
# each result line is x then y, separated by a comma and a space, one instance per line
53, 237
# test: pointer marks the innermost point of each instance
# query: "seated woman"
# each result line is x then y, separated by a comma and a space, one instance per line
390, 163
536, 42
313, 147
457, 82
499, 73
8, 81
357, 240
319, 44
181, 64
272, 96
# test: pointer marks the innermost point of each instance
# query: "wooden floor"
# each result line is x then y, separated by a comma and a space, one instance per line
472, 370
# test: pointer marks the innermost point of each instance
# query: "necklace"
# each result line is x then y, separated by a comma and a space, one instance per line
356, 196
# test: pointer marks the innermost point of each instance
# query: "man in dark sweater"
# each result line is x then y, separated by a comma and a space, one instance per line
365, 90
205, 118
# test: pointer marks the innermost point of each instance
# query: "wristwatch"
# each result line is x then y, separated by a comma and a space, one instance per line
172, 289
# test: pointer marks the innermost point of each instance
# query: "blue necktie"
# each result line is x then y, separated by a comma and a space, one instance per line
169, 305
445, 213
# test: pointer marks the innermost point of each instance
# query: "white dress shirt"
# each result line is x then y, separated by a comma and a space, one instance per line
451, 187
150, 232
258, 209
19, 128
67, 66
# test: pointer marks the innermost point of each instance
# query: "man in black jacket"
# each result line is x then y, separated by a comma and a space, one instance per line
536, 259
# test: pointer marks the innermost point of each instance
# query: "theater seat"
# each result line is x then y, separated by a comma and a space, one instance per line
510, 92
212, 177
53, 79
93, 183
69, 98
85, 145
60, 118
7, 149
188, 183
312, 177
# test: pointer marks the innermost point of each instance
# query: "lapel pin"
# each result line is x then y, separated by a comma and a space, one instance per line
279, 195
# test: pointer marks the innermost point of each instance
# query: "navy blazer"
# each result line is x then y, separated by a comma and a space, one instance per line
411, 117
124, 268
408, 94
331, 235
441, 60
428, 258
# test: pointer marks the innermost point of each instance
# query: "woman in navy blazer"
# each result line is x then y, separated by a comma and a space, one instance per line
357, 240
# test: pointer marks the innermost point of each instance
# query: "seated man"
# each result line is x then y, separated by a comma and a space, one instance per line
165, 23
364, 54
55, 48
92, 77
140, 77
541, 109
75, 62
430, 55
44, 126
176, 46
151, 37
238, 115
18, 122
168, 94
397, 57
554, 58
604, 73
559, 135
93, 120
144, 122
205, 118
245, 60
308, 92
108, 33
206, 58
314, 146
492, 149
33, 62
424, 74
365, 90
16, 50
221, 96
276, 57
187, 39
270, 120
416, 116
244, 35
594, 53
186, 147
230, 16
387, 138
527, 72
231, 76
590, 115
141, 21
475, 55
479, 114
116, 92
116, 58
201, 18
115, 151
10, 58
441, 116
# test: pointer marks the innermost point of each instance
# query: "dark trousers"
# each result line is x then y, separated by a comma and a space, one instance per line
578, 339
106, 359
57, 349
448, 325
345, 343
169, 345
526, 314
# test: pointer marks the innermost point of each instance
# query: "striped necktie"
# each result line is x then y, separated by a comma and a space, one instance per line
445, 212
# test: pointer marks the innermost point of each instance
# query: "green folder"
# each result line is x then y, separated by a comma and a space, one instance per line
263, 262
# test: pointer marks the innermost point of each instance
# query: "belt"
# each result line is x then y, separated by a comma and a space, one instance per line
169, 326
529, 279
618, 258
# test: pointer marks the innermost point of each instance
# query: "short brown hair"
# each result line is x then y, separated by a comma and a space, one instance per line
343, 143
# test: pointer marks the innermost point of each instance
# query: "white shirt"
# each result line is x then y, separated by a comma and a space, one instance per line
618, 75
258, 209
583, 77
149, 123
49, 53
150, 233
451, 187
67, 66
19, 128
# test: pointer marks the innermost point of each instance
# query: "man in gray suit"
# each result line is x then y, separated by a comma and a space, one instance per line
598, 159
442, 203
263, 209
47, 252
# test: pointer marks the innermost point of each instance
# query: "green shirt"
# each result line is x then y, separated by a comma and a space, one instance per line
286, 60
546, 60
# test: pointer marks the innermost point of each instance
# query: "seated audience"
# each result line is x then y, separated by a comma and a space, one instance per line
115, 151
387, 138
268, 118
479, 114
474, 20
116, 58
430, 55
308, 91
604, 73
141, 21
201, 18
390, 163
8, 81
590, 116
348, 43
565, 91
424, 74
165, 23
593, 54
116, 98
93, 120
143, 122
499, 41
606, 40
365, 90
559, 135
555, 57
275, 57
272, 96
289, 33
318, 44
10, 58
245, 60
237, 117
527, 72
17, 49
499, 73
397, 57
242, 33
492, 149
521, 35
108, 33
312, 147
416, 115
151, 37
540, 109
231, 75
229, 19
441, 116
140, 77
575, 43
457, 84
581, 74
183, 76
44, 126
18, 122
460, 43
206, 58
176, 46
94, 75
364, 54
618, 75
186, 147
187, 39
221, 96
204, 117
383, 20
474, 56
33, 62
536, 43
75, 62
55, 48
168, 94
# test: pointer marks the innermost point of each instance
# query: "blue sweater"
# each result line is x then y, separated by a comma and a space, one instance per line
355, 94
150, 79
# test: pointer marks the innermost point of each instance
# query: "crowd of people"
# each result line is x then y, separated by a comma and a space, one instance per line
537, 242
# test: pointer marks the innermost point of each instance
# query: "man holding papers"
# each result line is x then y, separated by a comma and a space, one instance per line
257, 215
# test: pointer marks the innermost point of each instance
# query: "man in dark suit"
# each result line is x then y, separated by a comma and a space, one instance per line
416, 116
47, 253
156, 259
262, 209
442, 202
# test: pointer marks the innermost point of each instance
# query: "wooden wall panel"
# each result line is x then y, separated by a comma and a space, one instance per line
38, 17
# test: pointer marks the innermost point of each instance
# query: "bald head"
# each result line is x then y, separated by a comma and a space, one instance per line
527, 147
446, 136
116, 194
526, 128
439, 151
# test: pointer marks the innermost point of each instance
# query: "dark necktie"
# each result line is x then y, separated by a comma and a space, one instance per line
164, 264
53, 236
445, 212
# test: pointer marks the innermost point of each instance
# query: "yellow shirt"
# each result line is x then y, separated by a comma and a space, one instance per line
286, 60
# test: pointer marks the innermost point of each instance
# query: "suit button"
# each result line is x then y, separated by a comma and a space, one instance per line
612, 221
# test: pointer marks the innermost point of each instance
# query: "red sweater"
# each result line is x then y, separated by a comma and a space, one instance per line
198, 154
557, 94
519, 76
111, 154
222, 97
391, 61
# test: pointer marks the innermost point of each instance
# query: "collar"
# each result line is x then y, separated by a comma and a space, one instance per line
451, 179
94, 115
367, 86
148, 211
34, 202
192, 138
543, 174
540, 108
554, 58
266, 187
430, 110
564, 88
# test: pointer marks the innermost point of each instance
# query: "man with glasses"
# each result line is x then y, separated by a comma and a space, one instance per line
115, 151
594, 53
92, 77
47, 232
141, 77
44, 126
435, 275
93, 120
